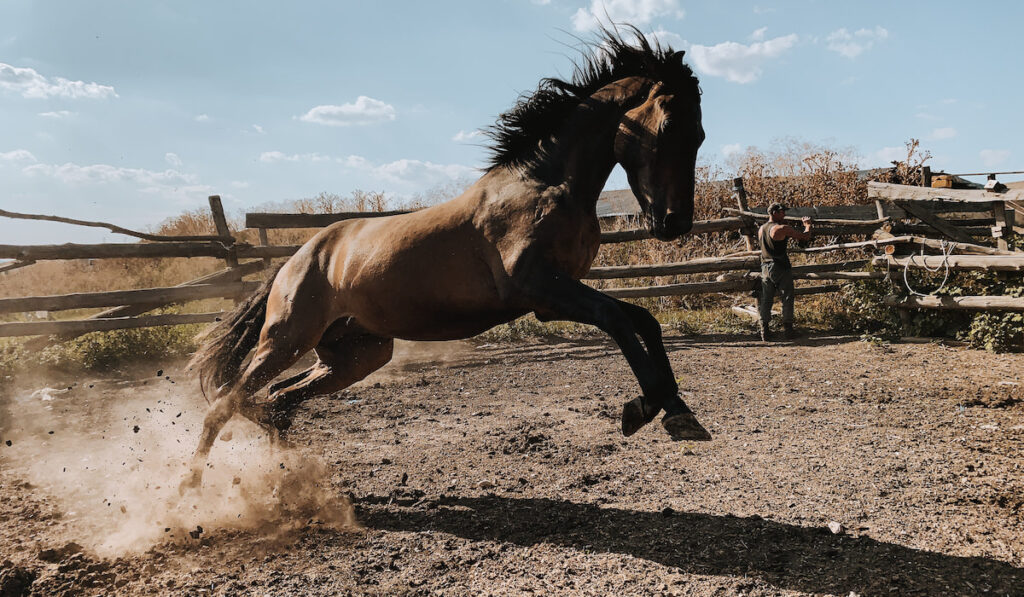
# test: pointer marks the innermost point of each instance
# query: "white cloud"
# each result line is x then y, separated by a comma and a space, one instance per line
993, 157
947, 132
17, 155
202, 118
763, 10
240, 184
854, 44
463, 136
636, 12
365, 110
30, 84
57, 115
259, 129
667, 38
541, 2
270, 157
737, 62
730, 149
412, 171
172, 159
758, 35
75, 174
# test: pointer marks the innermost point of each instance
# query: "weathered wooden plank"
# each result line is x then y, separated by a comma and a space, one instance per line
749, 227
14, 265
968, 303
793, 220
221, 222
882, 190
146, 296
695, 266
111, 227
935, 222
109, 250
699, 227
84, 326
226, 275
681, 289
999, 263
275, 220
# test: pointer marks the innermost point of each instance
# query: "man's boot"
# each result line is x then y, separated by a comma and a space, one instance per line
789, 332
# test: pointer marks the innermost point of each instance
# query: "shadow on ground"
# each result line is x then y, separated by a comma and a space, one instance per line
786, 556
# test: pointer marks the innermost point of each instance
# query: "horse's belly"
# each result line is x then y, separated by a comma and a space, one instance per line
422, 323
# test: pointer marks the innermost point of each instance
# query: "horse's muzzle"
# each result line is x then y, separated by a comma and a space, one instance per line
672, 226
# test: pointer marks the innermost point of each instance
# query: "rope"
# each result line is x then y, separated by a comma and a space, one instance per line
947, 250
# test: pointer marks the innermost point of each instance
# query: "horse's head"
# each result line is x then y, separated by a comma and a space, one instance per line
657, 144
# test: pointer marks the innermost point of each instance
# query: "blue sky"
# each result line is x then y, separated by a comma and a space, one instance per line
132, 111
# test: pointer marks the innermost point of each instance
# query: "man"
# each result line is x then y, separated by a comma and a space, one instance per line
776, 270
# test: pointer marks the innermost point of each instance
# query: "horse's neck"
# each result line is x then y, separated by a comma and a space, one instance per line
581, 155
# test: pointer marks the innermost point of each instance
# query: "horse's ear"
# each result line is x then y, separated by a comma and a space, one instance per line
678, 56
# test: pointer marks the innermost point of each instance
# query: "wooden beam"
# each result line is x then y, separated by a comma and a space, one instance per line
119, 250
14, 265
999, 263
273, 220
695, 266
748, 222
999, 228
699, 227
146, 296
111, 227
965, 303
84, 326
227, 275
827, 221
881, 190
264, 242
681, 289
221, 222
935, 222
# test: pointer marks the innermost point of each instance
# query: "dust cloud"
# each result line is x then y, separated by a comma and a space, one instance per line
111, 455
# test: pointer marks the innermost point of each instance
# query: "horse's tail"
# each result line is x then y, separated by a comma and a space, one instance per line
223, 347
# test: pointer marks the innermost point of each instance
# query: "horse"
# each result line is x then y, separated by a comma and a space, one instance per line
517, 241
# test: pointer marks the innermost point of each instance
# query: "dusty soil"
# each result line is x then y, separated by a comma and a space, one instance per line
499, 469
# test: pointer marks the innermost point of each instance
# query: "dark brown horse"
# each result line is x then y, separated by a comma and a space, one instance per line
517, 241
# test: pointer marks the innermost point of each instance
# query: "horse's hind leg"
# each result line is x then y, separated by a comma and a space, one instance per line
279, 347
342, 362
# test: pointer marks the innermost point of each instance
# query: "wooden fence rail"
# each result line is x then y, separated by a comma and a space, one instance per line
147, 296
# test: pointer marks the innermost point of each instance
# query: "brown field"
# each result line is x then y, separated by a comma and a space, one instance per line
498, 469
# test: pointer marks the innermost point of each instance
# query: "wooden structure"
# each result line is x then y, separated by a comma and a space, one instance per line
901, 220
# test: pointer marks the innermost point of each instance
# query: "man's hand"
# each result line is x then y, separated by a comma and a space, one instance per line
807, 222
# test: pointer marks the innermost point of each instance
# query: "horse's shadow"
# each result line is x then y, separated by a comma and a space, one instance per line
786, 556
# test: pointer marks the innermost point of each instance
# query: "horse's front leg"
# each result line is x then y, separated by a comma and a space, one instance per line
556, 296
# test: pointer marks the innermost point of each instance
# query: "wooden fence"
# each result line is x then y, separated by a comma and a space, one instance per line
906, 219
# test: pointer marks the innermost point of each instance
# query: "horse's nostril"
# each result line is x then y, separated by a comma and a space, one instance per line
676, 224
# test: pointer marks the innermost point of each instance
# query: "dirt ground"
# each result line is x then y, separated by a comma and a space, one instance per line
500, 470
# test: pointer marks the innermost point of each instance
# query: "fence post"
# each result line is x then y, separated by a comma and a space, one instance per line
999, 230
264, 242
741, 202
926, 176
221, 223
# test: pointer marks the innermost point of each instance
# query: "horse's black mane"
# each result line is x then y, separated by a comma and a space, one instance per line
537, 115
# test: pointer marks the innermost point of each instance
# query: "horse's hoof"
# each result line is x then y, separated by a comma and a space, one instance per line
634, 416
685, 426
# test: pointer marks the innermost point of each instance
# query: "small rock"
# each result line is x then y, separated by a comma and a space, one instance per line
159, 372
8, 442
135, 429
236, 481
195, 534
405, 479
667, 511
485, 485
836, 528
226, 436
